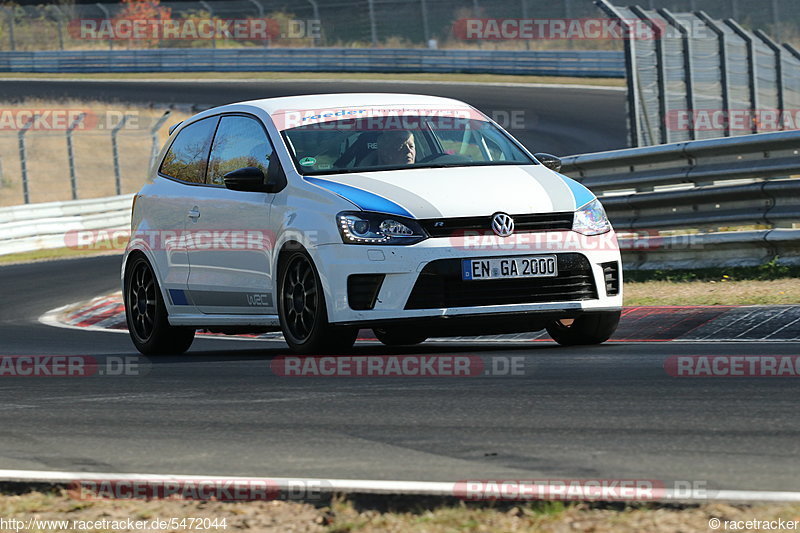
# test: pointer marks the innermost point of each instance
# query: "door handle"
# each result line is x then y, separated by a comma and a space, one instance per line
194, 213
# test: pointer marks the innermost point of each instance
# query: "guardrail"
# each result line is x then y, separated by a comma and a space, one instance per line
581, 63
671, 204
25, 228
676, 200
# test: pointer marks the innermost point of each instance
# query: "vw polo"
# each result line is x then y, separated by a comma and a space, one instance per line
414, 216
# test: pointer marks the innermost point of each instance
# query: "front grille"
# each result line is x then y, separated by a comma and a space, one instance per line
454, 227
440, 285
611, 277
362, 290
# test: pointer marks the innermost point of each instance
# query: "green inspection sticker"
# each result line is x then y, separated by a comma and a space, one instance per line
308, 161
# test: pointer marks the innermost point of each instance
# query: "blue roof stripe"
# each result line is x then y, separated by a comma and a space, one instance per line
364, 199
581, 194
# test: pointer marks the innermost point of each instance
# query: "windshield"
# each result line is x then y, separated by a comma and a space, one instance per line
390, 143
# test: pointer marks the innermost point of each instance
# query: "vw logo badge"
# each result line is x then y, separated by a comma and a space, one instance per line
502, 224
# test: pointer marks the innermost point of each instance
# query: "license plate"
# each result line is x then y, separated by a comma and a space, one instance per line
536, 266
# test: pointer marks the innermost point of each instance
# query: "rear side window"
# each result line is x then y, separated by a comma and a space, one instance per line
187, 158
240, 142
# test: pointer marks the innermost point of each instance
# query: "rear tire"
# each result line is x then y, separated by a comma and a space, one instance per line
302, 310
399, 336
593, 328
146, 313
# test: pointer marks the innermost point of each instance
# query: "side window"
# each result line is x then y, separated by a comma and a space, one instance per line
186, 159
239, 142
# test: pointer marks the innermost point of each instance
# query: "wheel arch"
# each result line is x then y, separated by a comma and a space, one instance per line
130, 256
288, 247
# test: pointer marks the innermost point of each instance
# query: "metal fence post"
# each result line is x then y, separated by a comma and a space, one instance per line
115, 153
734, 9
23, 164
315, 7
634, 103
373, 31
724, 66
658, 34
425, 28
688, 54
776, 49
259, 7
154, 136
524, 10
210, 10
73, 178
751, 68
59, 21
10, 16
776, 20
107, 14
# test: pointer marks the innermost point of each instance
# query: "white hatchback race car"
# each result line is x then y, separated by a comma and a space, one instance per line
415, 216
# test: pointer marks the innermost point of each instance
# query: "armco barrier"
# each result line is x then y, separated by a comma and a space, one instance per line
671, 204
583, 63
43, 226
697, 189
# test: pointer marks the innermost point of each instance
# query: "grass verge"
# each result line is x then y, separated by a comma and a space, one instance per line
342, 76
768, 284
345, 516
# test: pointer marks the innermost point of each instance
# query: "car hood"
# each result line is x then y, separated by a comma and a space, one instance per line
459, 191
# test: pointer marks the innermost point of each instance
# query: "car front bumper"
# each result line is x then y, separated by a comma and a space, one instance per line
402, 266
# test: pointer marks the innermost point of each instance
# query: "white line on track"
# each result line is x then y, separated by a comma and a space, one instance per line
363, 486
330, 80
51, 318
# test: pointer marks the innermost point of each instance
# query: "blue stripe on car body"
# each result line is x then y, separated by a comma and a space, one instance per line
582, 195
178, 297
364, 199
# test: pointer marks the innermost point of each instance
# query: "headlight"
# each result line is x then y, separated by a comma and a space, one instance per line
361, 227
591, 219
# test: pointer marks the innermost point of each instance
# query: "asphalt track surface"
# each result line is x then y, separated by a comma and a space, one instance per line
609, 411
557, 120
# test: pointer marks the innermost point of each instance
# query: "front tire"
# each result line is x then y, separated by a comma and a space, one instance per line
398, 337
302, 310
593, 328
146, 313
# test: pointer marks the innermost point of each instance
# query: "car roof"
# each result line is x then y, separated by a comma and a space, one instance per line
326, 101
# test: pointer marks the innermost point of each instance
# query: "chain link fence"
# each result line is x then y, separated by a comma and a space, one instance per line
389, 23
696, 77
76, 152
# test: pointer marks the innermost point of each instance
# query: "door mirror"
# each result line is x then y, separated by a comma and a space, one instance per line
245, 179
550, 161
